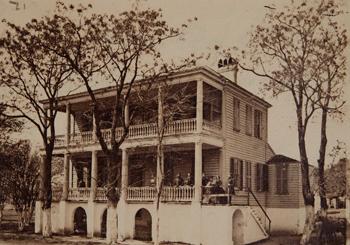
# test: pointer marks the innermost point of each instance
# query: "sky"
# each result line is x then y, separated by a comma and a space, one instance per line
225, 23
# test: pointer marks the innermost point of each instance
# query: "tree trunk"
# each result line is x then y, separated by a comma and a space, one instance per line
20, 221
113, 197
46, 193
309, 224
308, 196
321, 161
112, 224
159, 182
1, 212
47, 228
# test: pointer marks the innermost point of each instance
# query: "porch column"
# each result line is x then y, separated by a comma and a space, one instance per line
68, 124
124, 174
126, 115
94, 138
91, 203
198, 172
122, 205
199, 106
66, 173
93, 174
70, 181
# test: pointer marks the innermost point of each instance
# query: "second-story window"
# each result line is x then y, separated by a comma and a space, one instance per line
248, 119
257, 124
236, 114
212, 100
261, 177
236, 170
282, 179
248, 174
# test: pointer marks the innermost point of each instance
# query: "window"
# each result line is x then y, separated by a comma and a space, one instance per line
248, 119
236, 114
282, 179
236, 170
212, 103
248, 174
257, 124
261, 177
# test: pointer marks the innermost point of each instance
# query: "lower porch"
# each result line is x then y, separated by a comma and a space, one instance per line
187, 168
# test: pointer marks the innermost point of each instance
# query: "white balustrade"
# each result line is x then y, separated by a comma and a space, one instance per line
211, 126
169, 193
145, 193
178, 194
79, 194
141, 131
60, 140
101, 194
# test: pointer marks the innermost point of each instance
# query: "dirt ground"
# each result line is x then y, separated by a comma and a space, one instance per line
20, 239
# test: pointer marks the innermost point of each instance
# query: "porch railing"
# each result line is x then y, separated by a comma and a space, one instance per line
211, 126
79, 194
145, 193
177, 194
169, 193
141, 131
101, 194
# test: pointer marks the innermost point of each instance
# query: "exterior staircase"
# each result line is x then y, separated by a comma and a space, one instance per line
259, 220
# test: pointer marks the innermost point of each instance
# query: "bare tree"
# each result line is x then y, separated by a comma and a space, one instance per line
29, 73
300, 50
119, 49
175, 102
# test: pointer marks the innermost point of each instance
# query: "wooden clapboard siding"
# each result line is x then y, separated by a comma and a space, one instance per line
211, 161
290, 200
240, 145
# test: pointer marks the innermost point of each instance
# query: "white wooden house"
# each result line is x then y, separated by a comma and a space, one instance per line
225, 134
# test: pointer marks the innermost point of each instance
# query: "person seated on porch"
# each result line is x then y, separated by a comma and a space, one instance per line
217, 186
152, 181
209, 186
205, 180
81, 184
179, 181
188, 180
230, 185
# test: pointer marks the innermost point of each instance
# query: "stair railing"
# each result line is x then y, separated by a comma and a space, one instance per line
261, 207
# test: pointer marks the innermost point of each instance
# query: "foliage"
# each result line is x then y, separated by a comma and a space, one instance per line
335, 178
20, 172
30, 74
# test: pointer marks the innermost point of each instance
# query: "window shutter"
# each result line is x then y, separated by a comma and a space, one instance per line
236, 114
285, 179
232, 166
248, 174
278, 178
240, 162
249, 120
257, 177
266, 177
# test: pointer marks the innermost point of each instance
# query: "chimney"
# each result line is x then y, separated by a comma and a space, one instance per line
229, 68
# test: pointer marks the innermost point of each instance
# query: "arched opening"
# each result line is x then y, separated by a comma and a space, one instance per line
80, 221
143, 225
104, 224
238, 227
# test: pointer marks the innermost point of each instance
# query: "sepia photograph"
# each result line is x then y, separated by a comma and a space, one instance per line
174, 122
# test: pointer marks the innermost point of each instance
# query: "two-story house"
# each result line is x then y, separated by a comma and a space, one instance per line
223, 139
